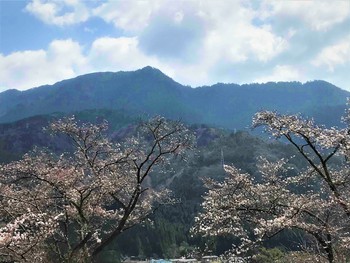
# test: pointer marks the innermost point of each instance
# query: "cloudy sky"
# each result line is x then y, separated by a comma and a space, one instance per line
194, 42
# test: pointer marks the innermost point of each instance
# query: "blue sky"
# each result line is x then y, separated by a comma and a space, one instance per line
194, 42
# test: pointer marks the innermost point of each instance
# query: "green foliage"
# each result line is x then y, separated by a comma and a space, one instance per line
6, 155
110, 256
273, 255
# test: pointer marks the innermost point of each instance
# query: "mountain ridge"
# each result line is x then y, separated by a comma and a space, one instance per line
148, 91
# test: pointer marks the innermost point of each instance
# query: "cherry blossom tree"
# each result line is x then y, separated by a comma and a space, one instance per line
315, 202
68, 208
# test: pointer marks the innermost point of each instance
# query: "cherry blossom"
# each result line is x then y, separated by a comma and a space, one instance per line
68, 208
315, 201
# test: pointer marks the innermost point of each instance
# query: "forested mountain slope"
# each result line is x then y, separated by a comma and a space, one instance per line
148, 91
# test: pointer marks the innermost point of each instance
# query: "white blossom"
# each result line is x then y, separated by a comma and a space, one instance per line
316, 201
67, 208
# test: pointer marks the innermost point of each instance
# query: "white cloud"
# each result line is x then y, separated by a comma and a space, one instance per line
282, 73
232, 37
228, 31
334, 55
195, 42
19, 70
179, 16
118, 54
127, 15
65, 59
115, 54
22, 70
59, 12
319, 15
68, 56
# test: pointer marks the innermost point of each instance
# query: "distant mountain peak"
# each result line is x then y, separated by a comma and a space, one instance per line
150, 68
10, 92
154, 72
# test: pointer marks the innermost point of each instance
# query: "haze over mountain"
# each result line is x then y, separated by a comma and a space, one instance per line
148, 92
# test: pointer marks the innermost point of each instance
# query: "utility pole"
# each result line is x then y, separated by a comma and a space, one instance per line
222, 159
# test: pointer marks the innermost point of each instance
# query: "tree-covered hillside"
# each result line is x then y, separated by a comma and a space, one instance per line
148, 92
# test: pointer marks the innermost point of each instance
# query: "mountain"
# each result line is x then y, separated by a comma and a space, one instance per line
20, 137
149, 92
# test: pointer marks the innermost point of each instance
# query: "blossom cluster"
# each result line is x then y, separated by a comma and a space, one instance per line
73, 205
315, 201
